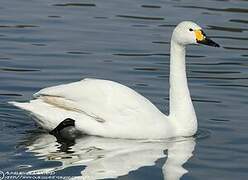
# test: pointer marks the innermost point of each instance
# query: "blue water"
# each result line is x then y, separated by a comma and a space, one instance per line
45, 43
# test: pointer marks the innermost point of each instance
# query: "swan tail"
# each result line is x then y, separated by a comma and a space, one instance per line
44, 114
24, 105
49, 113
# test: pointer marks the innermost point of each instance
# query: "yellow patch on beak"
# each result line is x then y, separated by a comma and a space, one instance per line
199, 35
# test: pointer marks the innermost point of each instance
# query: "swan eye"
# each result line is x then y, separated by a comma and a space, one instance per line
190, 29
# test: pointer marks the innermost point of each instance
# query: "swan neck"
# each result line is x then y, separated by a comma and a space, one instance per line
181, 107
178, 78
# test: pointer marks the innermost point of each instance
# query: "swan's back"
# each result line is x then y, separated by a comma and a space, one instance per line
103, 98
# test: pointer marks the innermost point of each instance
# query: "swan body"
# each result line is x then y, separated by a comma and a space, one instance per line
109, 109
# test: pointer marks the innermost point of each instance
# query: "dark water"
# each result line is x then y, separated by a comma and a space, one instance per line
44, 43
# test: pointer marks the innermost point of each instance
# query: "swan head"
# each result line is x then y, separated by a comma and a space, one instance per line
188, 32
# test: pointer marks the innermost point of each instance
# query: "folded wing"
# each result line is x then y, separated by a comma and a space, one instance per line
101, 99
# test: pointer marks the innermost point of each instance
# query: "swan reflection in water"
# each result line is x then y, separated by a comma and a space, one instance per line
110, 158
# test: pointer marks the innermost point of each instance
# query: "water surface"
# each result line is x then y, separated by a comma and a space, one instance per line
45, 43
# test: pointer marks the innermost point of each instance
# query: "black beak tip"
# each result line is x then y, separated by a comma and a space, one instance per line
209, 42
216, 45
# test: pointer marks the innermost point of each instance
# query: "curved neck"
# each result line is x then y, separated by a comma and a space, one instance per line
182, 111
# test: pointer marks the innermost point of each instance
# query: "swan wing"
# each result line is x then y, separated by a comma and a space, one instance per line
104, 100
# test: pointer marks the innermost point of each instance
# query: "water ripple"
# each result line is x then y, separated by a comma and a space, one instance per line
229, 29
19, 26
151, 6
18, 70
202, 134
141, 17
206, 100
239, 21
77, 52
236, 48
161, 42
216, 72
219, 120
38, 44
153, 54
231, 38
231, 10
230, 85
146, 69
10, 94
76, 4
54, 16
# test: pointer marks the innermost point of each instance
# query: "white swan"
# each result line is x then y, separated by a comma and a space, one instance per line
109, 109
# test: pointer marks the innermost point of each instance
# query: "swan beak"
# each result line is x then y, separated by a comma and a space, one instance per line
201, 38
